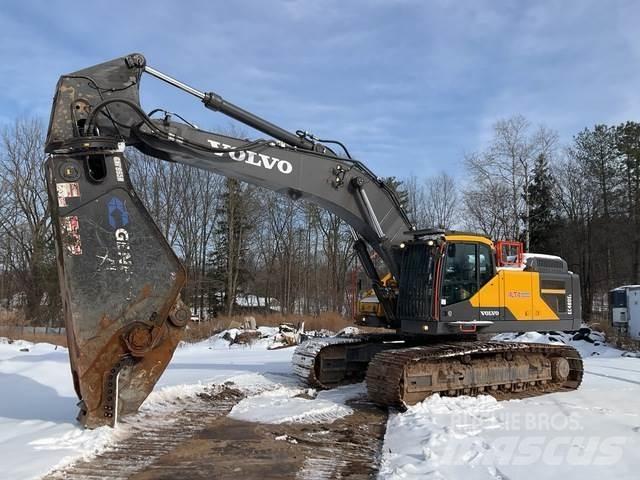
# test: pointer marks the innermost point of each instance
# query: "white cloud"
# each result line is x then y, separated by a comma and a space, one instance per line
409, 84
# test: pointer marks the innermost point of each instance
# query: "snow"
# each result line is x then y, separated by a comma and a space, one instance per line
38, 405
287, 405
591, 433
527, 255
626, 287
587, 434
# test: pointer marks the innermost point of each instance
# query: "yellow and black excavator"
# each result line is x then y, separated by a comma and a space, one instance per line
120, 280
368, 310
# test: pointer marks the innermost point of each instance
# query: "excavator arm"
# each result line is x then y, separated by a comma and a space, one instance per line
120, 280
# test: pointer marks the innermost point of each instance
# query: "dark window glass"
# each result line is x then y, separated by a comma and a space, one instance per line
554, 293
557, 302
461, 275
485, 264
618, 299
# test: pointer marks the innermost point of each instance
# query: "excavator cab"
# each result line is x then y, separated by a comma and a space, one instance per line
441, 275
462, 283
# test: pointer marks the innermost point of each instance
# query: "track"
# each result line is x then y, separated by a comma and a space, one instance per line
201, 442
333, 361
503, 370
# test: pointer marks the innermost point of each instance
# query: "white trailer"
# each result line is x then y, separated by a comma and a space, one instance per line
624, 310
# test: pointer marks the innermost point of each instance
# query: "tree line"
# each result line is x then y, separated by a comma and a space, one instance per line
580, 201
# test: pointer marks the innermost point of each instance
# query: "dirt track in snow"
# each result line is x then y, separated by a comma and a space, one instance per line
201, 442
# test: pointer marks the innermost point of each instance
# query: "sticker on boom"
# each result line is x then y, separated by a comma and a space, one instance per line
71, 234
118, 215
117, 163
66, 190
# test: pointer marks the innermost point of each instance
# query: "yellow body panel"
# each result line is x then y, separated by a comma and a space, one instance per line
468, 238
517, 291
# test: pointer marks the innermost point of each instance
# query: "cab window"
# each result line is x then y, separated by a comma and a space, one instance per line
468, 266
485, 263
461, 276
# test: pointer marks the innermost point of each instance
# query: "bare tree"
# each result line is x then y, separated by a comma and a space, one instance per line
441, 200
508, 162
487, 210
24, 219
417, 203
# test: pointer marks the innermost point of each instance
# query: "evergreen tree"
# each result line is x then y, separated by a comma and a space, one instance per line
542, 218
400, 191
599, 159
228, 260
596, 151
628, 144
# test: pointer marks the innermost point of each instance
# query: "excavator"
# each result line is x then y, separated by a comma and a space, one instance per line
120, 280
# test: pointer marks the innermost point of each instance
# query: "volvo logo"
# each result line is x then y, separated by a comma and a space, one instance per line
252, 158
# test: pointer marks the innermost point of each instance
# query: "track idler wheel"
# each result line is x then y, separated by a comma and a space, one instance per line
560, 369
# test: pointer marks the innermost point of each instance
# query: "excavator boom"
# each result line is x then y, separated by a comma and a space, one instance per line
120, 280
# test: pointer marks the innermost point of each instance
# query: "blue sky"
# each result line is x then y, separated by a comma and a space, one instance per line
408, 85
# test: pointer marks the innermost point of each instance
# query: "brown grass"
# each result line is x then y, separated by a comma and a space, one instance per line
16, 333
196, 331
614, 338
8, 317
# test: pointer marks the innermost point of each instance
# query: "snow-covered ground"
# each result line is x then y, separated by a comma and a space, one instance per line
590, 433
38, 404
287, 405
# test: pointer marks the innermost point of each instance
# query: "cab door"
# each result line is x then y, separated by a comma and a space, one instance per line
460, 282
491, 286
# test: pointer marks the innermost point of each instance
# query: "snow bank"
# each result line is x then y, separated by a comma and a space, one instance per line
425, 439
588, 342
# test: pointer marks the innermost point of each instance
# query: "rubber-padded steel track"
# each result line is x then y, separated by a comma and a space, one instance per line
406, 376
